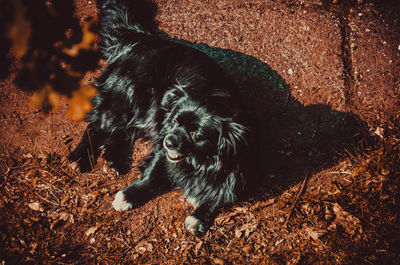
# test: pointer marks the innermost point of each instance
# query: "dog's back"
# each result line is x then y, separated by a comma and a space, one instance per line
122, 20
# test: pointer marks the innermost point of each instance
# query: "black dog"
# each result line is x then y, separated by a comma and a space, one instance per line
177, 97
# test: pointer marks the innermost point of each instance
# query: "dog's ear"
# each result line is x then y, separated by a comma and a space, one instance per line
232, 137
171, 97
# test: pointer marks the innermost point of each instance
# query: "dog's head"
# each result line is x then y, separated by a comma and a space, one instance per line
194, 134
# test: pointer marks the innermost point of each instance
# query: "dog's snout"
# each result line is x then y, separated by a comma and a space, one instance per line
170, 142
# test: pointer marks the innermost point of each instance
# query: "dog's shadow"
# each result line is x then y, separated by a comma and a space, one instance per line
291, 138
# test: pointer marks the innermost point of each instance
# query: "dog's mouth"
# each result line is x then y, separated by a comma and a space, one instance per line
174, 157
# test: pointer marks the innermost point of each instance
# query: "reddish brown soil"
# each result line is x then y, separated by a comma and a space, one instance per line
321, 81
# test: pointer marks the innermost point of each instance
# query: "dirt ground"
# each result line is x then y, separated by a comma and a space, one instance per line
320, 79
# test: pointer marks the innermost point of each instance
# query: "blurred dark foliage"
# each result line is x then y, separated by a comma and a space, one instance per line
6, 15
54, 48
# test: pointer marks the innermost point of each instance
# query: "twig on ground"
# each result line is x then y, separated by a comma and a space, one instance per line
340, 172
296, 199
46, 200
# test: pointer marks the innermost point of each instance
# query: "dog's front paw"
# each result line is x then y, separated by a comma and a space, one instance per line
120, 203
194, 225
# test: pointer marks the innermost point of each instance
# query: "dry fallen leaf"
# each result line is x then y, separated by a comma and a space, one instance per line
218, 261
241, 209
349, 222
42, 156
247, 248
28, 155
262, 204
315, 233
144, 247
91, 230
36, 206
65, 199
245, 229
67, 217
224, 219
101, 192
55, 223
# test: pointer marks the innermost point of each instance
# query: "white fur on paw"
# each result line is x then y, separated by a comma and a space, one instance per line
194, 225
119, 203
192, 201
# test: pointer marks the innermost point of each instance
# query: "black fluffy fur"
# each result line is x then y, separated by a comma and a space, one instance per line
176, 96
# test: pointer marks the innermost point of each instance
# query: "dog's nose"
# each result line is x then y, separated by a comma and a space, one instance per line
169, 142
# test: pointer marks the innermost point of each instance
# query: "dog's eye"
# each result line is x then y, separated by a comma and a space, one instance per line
194, 135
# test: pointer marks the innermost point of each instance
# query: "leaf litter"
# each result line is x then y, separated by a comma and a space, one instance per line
43, 200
